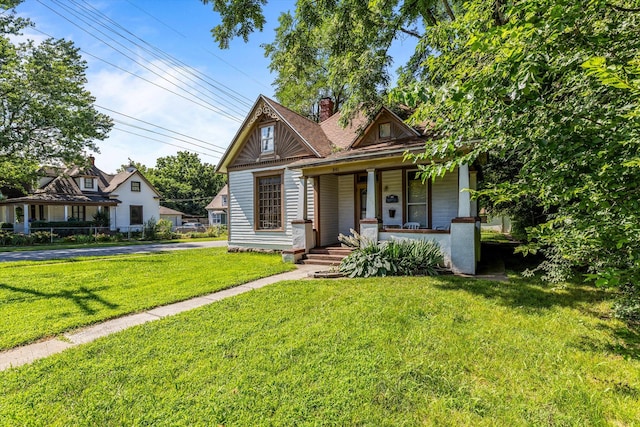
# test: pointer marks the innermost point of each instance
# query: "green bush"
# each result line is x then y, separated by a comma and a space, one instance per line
163, 230
42, 236
6, 226
6, 237
393, 258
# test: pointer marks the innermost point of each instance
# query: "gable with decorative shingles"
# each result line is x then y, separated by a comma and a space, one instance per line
387, 128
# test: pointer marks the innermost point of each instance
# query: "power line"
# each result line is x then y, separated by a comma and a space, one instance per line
215, 147
217, 151
164, 142
71, 11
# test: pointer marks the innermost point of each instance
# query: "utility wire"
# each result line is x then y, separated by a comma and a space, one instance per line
215, 147
217, 150
164, 142
210, 106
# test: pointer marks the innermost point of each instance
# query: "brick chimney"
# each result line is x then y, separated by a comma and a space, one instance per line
92, 160
326, 109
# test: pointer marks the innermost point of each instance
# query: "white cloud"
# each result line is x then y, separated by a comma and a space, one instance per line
132, 96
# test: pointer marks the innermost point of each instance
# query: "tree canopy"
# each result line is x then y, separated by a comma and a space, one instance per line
47, 115
186, 184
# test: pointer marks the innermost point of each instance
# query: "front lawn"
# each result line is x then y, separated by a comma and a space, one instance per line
385, 351
40, 299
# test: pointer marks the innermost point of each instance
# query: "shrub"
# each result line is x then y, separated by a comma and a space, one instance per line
6, 226
101, 218
393, 258
43, 236
6, 237
150, 229
163, 229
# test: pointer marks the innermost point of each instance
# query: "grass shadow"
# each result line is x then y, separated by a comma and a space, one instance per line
82, 297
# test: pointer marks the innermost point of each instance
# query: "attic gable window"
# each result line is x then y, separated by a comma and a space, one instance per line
88, 183
384, 130
135, 186
266, 139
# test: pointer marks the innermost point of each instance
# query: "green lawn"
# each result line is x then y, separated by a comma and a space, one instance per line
375, 352
40, 299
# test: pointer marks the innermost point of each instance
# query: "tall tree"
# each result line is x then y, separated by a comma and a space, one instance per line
338, 49
518, 80
186, 184
47, 116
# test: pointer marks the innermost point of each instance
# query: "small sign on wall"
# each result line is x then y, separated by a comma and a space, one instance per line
391, 198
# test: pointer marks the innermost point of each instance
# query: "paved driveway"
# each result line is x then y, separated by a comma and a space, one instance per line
106, 251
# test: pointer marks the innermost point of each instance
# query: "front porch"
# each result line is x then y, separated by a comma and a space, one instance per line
391, 203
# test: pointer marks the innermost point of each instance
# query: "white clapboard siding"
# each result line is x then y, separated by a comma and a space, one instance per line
392, 186
241, 193
328, 206
346, 204
444, 199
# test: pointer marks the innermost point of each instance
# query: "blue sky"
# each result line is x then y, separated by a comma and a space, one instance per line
166, 74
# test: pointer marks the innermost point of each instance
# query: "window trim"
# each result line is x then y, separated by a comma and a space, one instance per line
139, 186
256, 199
272, 138
405, 196
88, 187
380, 136
141, 214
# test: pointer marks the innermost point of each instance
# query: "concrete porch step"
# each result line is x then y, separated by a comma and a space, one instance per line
331, 255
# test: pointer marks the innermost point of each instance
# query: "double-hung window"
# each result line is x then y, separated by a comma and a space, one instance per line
266, 139
417, 191
135, 186
268, 207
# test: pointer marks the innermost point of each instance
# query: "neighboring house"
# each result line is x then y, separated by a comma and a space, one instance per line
80, 193
295, 184
218, 207
172, 215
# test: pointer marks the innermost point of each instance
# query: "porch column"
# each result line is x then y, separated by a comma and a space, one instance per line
303, 199
5, 213
26, 219
370, 226
66, 213
464, 197
371, 193
49, 217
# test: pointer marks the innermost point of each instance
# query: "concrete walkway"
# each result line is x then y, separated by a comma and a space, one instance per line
26, 354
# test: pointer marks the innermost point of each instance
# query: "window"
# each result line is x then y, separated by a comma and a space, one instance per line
224, 200
416, 198
266, 139
135, 215
269, 202
384, 130
79, 213
135, 186
88, 183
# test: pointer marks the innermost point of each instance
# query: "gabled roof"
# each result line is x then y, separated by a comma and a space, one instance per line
216, 203
121, 177
168, 211
63, 189
327, 140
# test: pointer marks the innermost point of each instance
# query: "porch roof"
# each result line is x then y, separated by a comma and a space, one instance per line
61, 199
379, 152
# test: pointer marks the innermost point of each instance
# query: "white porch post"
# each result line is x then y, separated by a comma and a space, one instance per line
303, 199
48, 212
301, 228
5, 215
464, 197
371, 193
26, 219
369, 226
465, 229
66, 213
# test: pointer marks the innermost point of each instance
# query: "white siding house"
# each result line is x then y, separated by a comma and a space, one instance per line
295, 184
78, 194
